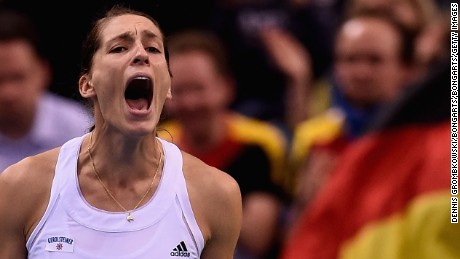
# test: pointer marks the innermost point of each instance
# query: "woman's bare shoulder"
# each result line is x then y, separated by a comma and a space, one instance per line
207, 178
211, 191
29, 180
216, 201
31, 169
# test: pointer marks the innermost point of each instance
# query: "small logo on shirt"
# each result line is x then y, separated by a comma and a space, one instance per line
180, 250
60, 244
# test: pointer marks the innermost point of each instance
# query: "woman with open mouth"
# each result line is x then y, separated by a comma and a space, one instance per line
120, 191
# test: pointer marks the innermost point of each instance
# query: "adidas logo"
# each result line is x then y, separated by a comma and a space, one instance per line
180, 250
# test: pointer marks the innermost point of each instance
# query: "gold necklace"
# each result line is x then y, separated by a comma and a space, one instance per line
129, 217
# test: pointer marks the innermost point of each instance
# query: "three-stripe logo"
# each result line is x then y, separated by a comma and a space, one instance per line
180, 250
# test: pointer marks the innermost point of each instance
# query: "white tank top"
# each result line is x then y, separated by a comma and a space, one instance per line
165, 227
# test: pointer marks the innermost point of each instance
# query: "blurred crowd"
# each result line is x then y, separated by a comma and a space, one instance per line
332, 115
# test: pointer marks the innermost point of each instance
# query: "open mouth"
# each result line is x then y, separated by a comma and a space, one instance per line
139, 93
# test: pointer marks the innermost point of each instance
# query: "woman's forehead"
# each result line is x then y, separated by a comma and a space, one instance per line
128, 23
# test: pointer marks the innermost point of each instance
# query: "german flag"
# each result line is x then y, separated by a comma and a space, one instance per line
390, 196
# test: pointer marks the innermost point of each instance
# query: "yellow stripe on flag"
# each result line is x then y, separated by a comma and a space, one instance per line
423, 231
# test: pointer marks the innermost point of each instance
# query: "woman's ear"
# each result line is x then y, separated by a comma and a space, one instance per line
85, 87
169, 94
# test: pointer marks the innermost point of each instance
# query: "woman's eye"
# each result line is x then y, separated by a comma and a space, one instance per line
152, 50
118, 49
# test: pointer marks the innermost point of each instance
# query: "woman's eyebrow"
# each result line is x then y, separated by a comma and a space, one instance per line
126, 36
148, 34
129, 36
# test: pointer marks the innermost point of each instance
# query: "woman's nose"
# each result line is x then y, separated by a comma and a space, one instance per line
142, 56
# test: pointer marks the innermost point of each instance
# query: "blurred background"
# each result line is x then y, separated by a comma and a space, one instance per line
64, 24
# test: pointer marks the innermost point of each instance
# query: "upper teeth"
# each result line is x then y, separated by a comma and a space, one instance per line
141, 77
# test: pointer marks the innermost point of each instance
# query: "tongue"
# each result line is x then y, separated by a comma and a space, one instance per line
138, 104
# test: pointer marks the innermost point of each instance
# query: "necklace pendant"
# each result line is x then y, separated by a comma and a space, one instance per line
130, 217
